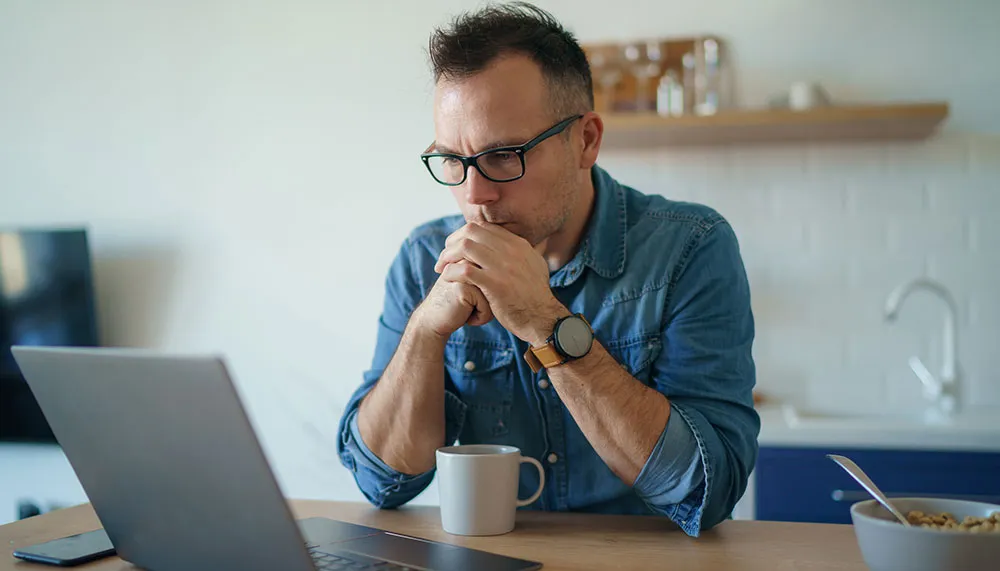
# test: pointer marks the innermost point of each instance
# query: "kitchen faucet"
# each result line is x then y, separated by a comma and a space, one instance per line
942, 391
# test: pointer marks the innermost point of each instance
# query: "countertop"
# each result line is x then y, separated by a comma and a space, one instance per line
560, 541
972, 430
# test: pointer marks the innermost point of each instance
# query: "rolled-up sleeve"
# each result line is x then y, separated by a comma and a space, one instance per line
674, 469
700, 466
383, 486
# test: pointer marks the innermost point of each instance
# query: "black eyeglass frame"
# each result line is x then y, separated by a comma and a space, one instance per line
518, 150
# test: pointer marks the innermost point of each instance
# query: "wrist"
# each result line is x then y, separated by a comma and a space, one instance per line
544, 323
418, 329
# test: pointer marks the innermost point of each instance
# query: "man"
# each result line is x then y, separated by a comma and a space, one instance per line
602, 331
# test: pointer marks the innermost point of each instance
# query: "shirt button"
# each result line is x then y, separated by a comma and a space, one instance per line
543, 383
470, 366
553, 458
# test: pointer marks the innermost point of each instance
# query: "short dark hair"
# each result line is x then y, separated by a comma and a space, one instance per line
476, 39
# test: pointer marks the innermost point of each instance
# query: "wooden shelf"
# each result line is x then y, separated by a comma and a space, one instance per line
835, 123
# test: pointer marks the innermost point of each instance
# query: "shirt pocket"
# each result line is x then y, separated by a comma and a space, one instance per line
636, 355
484, 377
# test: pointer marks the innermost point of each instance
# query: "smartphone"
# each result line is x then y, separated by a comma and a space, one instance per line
69, 551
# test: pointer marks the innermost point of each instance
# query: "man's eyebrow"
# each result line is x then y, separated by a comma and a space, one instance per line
504, 143
494, 145
439, 148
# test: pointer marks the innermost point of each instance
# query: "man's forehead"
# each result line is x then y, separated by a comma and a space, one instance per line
471, 133
503, 104
473, 97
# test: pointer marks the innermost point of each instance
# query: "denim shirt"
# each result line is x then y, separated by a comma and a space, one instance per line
664, 287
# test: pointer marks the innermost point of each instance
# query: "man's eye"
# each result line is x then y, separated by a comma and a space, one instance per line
503, 156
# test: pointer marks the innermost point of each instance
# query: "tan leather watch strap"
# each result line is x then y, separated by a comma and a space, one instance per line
543, 357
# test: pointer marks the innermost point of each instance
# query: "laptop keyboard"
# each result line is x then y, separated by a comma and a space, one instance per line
331, 560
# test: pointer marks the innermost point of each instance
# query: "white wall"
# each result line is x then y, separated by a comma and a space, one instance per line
247, 170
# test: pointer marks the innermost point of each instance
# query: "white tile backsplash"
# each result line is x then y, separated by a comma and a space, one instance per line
844, 162
827, 231
857, 389
807, 200
884, 194
934, 234
748, 163
978, 348
983, 159
936, 157
833, 234
875, 270
965, 194
985, 232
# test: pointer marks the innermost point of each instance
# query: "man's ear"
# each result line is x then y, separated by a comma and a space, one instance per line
593, 132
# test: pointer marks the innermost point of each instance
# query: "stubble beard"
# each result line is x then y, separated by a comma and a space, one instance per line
542, 228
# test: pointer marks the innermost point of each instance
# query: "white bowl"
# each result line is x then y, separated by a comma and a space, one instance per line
888, 545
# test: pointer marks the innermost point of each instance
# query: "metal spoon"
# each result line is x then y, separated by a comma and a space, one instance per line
858, 474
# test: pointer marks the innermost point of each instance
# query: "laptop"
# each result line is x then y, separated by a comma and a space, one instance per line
169, 460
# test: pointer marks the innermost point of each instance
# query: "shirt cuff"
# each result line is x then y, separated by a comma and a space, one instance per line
369, 458
674, 471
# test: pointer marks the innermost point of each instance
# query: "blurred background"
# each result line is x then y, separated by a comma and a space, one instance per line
244, 172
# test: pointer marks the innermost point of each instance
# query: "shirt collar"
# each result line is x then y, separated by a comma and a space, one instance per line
603, 246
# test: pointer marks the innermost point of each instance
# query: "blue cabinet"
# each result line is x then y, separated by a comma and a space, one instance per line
802, 484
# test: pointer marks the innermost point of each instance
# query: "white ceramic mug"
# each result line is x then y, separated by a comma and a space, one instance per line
804, 95
477, 487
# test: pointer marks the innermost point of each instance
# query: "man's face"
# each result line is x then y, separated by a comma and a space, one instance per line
508, 104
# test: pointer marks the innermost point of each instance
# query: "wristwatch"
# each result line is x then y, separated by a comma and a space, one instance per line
572, 337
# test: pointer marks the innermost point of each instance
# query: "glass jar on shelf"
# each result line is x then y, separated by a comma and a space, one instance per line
607, 73
707, 77
645, 60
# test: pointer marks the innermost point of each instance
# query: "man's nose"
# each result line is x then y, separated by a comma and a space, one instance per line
479, 190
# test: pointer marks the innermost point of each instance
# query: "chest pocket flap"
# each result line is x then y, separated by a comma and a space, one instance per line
636, 355
472, 359
484, 376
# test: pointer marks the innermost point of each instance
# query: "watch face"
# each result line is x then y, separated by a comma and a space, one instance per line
574, 337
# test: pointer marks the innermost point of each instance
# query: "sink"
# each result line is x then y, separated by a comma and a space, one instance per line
786, 424
797, 417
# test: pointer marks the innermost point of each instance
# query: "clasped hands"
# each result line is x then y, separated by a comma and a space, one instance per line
494, 273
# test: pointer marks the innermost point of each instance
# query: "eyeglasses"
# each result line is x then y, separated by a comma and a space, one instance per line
502, 164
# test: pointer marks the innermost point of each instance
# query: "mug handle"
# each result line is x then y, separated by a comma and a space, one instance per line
541, 481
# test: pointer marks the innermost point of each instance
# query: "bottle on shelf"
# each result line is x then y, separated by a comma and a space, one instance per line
670, 95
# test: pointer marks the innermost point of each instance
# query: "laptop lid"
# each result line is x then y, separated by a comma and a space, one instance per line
164, 450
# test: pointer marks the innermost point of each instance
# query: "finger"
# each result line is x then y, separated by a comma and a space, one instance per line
489, 233
483, 232
463, 274
464, 249
494, 234
462, 232
482, 313
495, 230
448, 256
457, 272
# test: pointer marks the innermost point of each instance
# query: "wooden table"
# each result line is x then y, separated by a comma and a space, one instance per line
560, 541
